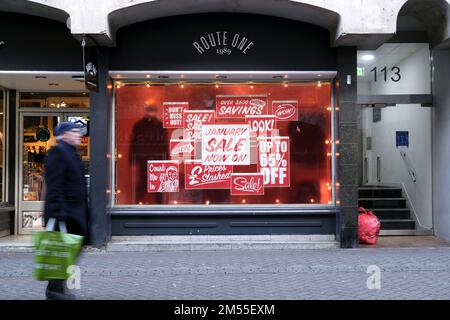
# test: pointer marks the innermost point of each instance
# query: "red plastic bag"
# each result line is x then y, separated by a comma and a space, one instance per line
368, 227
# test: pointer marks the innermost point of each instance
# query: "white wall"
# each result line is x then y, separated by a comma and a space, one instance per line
394, 170
416, 120
415, 75
441, 148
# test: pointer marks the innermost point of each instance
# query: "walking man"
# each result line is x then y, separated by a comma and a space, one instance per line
66, 193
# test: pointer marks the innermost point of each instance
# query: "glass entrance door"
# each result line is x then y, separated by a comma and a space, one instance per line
36, 139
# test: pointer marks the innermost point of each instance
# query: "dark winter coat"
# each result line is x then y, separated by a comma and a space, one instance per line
66, 192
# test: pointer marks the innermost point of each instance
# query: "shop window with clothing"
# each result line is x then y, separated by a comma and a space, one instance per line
54, 100
227, 143
39, 114
43, 82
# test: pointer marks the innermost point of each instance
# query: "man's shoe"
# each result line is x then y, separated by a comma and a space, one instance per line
55, 295
56, 291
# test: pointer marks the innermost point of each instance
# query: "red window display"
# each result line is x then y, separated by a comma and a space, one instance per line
209, 144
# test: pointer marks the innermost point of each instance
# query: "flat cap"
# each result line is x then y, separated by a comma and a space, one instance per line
65, 126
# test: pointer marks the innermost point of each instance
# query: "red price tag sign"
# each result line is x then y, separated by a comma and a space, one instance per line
261, 126
285, 110
173, 114
163, 176
273, 161
200, 176
247, 184
182, 149
239, 106
226, 144
194, 120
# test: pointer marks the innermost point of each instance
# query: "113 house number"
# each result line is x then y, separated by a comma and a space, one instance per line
395, 74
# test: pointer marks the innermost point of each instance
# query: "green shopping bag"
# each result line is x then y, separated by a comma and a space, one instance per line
55, 251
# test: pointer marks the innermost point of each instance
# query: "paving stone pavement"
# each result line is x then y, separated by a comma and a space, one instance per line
416, 273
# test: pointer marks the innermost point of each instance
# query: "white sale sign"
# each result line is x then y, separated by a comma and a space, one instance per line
274, 161
226, 144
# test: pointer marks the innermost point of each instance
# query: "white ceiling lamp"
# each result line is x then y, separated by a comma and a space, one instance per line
368, 57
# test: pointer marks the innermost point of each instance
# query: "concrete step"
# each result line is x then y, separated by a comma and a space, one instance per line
16, 244
391, 213
227, 242
398, 224
379, 203
407, 232
377, 192
192, 243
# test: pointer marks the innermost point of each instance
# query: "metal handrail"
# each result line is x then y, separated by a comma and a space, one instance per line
366, 170
411, 171
378, 169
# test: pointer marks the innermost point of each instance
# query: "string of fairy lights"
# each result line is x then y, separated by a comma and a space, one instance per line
217, 85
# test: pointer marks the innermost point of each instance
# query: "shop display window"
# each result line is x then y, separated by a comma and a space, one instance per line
217, 144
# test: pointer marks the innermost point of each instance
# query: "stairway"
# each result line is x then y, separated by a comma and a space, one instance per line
388, 205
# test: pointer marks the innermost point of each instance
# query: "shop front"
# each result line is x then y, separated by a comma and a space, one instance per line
41, 84
218, 123
266, 119
223, 124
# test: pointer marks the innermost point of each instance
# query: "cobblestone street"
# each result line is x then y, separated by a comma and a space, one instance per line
414, 273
